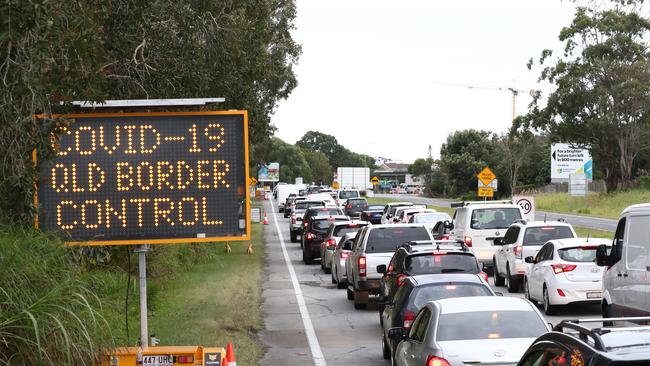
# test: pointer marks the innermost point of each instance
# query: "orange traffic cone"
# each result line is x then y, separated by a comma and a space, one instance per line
266, 219
230, 356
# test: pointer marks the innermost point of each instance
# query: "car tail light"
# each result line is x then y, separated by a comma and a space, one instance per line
519, 251
444, 237
349, 206
436, 361
344, 255
184, 359
361, 262
310, 236
306, 224
400, 279
561, 268
293, 219
331, 243
561, 293
409, 317
468, 240
483, 275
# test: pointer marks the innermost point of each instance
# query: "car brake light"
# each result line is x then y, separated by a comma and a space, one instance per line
436, 361
353, 225
306, 224
344, 255
348, 206
310, 236
409, 317
519, 250
361, 262
483, 275
589, 247
468, 240
184, 359
561, 268
450, 287
400, 279
331, 243
444, 237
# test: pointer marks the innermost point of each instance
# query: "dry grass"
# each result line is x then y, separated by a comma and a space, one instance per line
609, 205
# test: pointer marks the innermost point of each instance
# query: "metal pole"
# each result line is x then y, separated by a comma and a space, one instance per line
142, 269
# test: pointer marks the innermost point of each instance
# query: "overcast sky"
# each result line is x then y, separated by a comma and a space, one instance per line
371, 70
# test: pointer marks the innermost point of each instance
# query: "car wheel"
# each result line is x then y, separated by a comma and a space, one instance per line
294, 236
322, 263
385, 348
511, 283
306, 257
527, 292
327, 270
607, 313
340, 284
333, 278
548, 308
350, 294
498, 280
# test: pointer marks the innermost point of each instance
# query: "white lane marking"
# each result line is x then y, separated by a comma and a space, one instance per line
312, 339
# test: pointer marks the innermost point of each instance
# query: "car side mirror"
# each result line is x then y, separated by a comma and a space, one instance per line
498, 241
602, 259
381, 268
529, 259
396, 334
448, 225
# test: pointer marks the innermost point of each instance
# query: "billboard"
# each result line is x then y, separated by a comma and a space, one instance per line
566, 160
148, 178
269, 173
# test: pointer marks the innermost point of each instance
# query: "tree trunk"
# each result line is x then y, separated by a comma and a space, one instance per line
626, 159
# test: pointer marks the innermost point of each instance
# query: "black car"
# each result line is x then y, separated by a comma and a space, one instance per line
314, 235
571, 343
317, 211
426, 257
417, 291
354, 206
373, 213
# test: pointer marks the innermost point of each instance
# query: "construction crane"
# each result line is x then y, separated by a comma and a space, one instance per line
515, 92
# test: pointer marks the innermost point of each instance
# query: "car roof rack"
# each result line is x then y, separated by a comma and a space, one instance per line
467, 203
461, 244
520, 221
595, 333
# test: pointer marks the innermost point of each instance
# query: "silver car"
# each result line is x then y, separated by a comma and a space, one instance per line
343, 249
464, 331
336, 230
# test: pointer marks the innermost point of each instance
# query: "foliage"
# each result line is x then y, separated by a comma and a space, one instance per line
602, 98
320, 167
423, 168
291, 158
338, 155
59, 51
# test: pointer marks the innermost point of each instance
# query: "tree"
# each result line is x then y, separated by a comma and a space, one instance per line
517, 149
291, 159
422, 168
320, 167
602, 98
337, 154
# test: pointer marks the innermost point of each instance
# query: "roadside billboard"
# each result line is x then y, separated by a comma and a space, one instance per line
148, 178
566, 160
269, 173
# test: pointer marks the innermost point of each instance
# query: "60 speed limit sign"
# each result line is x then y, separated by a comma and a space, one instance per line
527, 204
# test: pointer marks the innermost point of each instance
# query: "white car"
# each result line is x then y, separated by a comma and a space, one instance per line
389, 211
524, 239
461, 331
429, 219
341, 254
336, 230
564, 272
404, 215
325, 197
399, 212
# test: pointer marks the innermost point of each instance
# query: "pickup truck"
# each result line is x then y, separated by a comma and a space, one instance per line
373, 246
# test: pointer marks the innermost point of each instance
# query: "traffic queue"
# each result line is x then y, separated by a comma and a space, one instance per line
428, 273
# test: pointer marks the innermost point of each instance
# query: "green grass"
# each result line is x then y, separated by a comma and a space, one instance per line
382, 200
608, 205
584, 232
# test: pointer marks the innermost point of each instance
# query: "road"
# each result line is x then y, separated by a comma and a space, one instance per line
308, 321
577, 220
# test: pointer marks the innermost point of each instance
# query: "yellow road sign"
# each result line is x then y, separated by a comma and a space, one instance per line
374, 180
252, 181
335, 185
486, 192
486, 176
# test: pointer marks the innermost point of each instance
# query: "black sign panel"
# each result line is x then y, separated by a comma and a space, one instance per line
148, 178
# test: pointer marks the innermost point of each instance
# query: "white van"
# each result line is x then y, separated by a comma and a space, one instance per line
479, 223
626, 284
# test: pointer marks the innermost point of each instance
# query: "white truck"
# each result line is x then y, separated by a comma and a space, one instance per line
284, 190
354, 178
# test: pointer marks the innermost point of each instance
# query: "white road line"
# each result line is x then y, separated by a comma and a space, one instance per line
314, 346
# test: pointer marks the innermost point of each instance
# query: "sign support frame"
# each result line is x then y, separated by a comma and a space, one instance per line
142, 251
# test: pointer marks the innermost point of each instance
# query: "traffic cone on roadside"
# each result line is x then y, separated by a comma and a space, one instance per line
266, 219
230, 356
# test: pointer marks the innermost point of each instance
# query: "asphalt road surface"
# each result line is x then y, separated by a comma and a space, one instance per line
308, 321
577, 220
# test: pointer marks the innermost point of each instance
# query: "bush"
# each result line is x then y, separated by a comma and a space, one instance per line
643, 181
49, 313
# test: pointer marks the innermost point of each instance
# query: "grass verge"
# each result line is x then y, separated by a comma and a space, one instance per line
609, 205
382, 200
584, 232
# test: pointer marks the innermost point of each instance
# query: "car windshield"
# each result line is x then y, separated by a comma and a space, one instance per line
430, 218
440, 263
306, 205
581, 254
490, 325
348, 194
321, 226
494, 218
344, 229
541, 235
387, 239
423, 294
375, 208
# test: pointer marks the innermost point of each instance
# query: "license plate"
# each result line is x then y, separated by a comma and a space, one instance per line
156, 360
594, 295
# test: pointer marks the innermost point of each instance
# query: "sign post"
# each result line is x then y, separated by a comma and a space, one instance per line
148, 178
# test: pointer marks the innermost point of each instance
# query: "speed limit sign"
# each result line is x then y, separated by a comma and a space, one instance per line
527, 204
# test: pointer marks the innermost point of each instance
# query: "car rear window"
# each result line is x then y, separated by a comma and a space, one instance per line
582, 254
431, 218
423, 294
306, 205
358, 202
324, 211
490, 325
494, 218
387, 239
344, 229
434, 263
541, 235
375, 208
323, 224
348, 194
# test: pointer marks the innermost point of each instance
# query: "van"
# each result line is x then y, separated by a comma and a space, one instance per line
478, 223
626, 288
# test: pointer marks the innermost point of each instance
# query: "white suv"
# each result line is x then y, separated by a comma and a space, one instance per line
524, 239
479, 223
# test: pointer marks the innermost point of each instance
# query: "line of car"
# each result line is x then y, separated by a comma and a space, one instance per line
423, 266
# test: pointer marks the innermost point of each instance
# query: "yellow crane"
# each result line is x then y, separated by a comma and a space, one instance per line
515, 92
